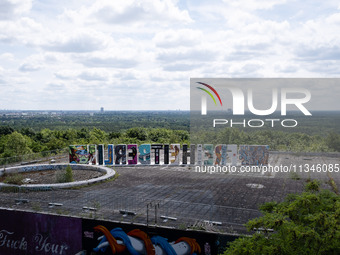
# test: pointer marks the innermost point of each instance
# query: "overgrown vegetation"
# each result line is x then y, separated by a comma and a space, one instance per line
307, 223
65, 175
14, 178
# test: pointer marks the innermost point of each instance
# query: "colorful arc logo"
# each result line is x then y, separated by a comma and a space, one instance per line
204, 102
212, 89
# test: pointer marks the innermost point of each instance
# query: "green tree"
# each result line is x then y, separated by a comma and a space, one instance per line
97, 136
307, 223
137, 132
16, 144
6, 130
333, 141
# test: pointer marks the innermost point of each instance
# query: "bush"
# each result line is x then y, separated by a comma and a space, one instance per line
306, 223
65, 175
14, 179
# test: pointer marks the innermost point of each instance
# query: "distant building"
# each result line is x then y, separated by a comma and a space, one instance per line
102, 109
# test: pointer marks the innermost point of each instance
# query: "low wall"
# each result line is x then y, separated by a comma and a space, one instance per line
108, 173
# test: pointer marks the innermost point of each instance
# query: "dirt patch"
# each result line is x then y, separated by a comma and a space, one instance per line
50, 176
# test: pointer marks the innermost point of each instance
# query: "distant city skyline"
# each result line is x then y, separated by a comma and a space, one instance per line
140, 55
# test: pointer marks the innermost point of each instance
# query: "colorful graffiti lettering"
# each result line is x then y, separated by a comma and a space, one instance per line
254, 154
138, 242
144, 154
200, 154
174, 153
208, 154
132, 154
82, 154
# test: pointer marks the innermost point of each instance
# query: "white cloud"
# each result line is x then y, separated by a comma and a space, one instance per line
254, 4
10, 9
133, 11
176, 38
29, 67
82, 42
93, 75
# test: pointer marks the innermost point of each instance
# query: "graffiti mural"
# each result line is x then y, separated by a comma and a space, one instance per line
174, 153
254, 154
200, 154
157, 149
120, 154
82, 154
232, 154
102, 237
208, 154
144, 154
92, 149
137, 241
221, 154
132, 154
109, 161
100, 154
32, 233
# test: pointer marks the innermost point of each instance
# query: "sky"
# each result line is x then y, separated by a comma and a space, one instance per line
140, 55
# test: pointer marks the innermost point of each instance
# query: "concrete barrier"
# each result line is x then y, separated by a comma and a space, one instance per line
108, 173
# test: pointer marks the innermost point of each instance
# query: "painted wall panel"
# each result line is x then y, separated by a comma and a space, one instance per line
40, 234
100, 154
254, 154
132, 154
109, 160
144, 154
208, 151
78, 154
232, 154
175, 153
120, 154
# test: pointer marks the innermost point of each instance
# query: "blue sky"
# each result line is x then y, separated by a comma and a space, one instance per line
140, 55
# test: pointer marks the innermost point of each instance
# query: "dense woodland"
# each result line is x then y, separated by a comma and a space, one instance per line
34, 134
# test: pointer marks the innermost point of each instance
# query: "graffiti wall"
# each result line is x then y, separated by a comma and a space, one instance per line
254, 154
82, 154
104, 237
23, 233
40, 234
173, 154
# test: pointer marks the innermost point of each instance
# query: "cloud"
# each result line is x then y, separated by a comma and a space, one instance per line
10, 9
255, 4
134, 11
107, 61
51, 87
65, 74
177, 38
83, 42
93, 76
181, 67
29, 67
318, 53
24, 31
187, 54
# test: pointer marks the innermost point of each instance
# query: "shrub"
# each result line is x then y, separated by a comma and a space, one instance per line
16, 179
65, 175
